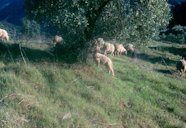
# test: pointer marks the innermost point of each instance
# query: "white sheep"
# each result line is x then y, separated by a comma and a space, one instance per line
100, 58
181, 66
4, 35
57, 40
120, 49
107, 47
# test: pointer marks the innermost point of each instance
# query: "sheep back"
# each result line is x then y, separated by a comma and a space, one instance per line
108, 48
120, 49
4, 35
57, 39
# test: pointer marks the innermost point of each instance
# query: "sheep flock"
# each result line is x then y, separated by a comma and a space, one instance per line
101, 50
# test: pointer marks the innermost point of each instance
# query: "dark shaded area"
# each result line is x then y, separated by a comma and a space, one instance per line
184, 55
172, 33
179, 15
166, 71
12, 52
175, 2
66, 53
173, 50
15, 52
155, 59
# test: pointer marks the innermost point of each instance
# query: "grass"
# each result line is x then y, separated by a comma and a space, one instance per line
146, 93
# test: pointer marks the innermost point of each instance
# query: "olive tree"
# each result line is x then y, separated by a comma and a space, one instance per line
81, 20
133, 20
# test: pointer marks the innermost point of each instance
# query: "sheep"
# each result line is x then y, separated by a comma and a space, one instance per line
120, 49
4, 35
100, 58
57, 40
181, 66
130, 49
107, 47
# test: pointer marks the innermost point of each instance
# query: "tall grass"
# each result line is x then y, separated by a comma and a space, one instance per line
45, 94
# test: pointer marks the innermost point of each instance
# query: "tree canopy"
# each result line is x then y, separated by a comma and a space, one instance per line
81, 20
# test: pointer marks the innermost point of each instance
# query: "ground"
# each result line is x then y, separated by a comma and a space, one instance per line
145, 93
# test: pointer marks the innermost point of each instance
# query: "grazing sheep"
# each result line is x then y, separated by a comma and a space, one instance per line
57, 40
100, 58
120, 49
130, 49
181, 66
4, 35
107, 47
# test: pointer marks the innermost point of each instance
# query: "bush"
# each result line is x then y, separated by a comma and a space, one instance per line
30, 28
175, 34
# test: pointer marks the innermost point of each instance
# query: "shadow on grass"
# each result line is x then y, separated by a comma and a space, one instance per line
155, 59
173, 50
15, 52
167, 71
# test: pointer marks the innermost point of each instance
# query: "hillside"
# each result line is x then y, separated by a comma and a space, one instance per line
146, 92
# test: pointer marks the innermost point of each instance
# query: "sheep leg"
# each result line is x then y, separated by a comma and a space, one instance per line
117, 53
112, 71
112, 53
98, 62
110, 68
181, 72
184, 70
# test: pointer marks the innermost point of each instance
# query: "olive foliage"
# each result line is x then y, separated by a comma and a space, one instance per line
81, 20
133, 20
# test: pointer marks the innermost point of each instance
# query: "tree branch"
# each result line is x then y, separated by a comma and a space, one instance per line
92, 16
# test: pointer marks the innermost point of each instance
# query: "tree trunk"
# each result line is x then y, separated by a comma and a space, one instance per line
92, 16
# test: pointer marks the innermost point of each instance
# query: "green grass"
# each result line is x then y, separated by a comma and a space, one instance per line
144, 93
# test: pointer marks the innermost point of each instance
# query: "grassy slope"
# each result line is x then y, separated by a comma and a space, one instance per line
144, 94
